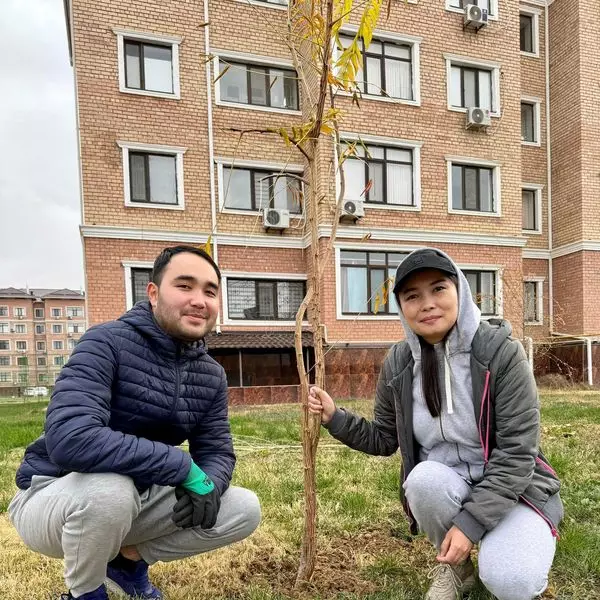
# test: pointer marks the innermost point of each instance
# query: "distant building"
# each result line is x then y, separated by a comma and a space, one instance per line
38, 331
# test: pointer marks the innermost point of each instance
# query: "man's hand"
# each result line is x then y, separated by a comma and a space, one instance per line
196, 510
320, 402
455, 548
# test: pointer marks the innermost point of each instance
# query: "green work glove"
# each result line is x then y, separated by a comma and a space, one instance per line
198, 481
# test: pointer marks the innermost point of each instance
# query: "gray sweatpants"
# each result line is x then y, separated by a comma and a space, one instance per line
87, 518
514, 558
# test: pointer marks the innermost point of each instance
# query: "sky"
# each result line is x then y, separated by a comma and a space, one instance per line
39, 181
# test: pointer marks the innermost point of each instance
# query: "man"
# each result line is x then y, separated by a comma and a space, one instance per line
107, 487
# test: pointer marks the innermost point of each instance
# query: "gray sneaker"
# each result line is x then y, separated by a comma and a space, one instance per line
450, 583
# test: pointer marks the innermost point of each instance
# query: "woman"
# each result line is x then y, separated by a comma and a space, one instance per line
459, 400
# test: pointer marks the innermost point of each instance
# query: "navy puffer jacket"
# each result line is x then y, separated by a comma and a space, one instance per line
129, 395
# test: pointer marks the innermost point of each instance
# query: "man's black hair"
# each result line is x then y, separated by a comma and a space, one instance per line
164, 258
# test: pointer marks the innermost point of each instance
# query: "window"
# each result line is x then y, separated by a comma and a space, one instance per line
366, 281
40, 346
20, 328
22, 361
471, 86
23, 378
473, 188
148, 64
57, 328
39, 313
56, 376
57, 345
532, 301
3, 311
56, 312
4, 361
74, 312
19, 312
21, 345
41, 361
529, 31
254, 189
75, 328
530, 125
5, 377
489, 5
264, 299
40, 329
386, 173
71, 343
532, 209
139, 283
4, 327
4, 345
483, 288
153, 175
59, 361
42, 378
257, 85
386, 70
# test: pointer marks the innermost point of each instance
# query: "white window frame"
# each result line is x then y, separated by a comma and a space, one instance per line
9, 361
537, 188
227, 162
57, 332
59, 315
23, 308
264, 4
57, 342
496, 183
138, 36
73, 325
244, 275
176, 151
477, 63
539, 284
58, 357
499, 271
7, 377
537, 123
250, 59
23, 325
413, 145
6, 349
338, 247
37, 346
492, 15
127, 266
21, 349
415, 56
7, 315
43, 313
38, 325
535, 14
43, 364
5, 328
75, 308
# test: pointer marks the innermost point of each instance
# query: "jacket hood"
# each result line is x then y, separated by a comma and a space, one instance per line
469, 316
141, 317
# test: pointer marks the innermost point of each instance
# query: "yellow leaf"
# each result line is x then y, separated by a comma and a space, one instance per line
222, 73
377, 303
207, 247
326, 129
366, 237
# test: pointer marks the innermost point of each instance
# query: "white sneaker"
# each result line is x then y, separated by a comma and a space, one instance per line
450, 583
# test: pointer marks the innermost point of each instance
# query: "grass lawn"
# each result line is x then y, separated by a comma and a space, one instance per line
365, 550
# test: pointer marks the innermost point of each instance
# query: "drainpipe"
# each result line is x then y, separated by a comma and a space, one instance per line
549, 171
211, 147
588, 347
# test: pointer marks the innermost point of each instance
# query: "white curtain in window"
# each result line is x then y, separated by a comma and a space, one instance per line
258, 85
262, 186
488, 297
485, 90
398, 82
455, 87
158, 72
132, 65
374, 76
163, 180
354, 290
354, 173
236, 188
399, 184
486, 190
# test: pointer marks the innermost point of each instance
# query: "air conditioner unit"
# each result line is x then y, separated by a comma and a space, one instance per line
475, 17
478, 117
352, 209
276, 218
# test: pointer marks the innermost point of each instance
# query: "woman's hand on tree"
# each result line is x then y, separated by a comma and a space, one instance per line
320, 402
455, 548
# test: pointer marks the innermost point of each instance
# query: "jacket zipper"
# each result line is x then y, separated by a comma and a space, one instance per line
545, 466
177, 382
539, 512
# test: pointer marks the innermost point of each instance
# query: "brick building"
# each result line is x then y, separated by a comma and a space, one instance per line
163, 85
38, 330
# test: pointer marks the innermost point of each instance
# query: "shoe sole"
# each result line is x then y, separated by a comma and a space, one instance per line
115, 588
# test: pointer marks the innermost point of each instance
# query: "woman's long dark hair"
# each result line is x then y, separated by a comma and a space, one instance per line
430, 382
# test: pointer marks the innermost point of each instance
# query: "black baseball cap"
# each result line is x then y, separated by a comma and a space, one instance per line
419, 260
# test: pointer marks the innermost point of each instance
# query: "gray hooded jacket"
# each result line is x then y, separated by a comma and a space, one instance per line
491, 387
